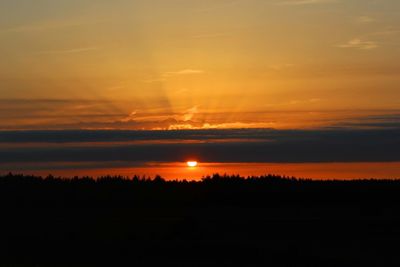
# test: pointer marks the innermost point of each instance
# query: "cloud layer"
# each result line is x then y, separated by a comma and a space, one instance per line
294, 146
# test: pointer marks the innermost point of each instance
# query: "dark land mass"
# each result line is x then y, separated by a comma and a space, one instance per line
221, 221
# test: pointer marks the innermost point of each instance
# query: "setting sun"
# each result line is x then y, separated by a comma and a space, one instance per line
192, 164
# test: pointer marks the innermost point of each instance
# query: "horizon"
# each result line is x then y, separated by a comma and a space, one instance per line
319, 154
213, 177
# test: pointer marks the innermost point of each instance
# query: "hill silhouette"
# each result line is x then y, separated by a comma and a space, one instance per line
219, 221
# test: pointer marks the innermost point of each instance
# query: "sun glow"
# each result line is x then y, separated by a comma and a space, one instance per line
192, 164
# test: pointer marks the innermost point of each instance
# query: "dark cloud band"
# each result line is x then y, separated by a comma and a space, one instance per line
338, 145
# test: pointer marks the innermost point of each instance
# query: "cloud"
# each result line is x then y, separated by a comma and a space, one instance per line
365, 19
171, 74
95, 136
189, 114
385, 33
52, 113
307, 101
240, 125
280, 67
68, 114
183, 72
220, 4
40, 27
130, 116
359, 44
155, 80
384, 121
304, 2
291, 146
49, 25
69, 51
225, 125
210, 35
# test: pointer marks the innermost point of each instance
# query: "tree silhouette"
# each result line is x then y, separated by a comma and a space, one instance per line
221, 220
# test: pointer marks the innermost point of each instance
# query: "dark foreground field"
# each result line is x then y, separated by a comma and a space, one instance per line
222, 221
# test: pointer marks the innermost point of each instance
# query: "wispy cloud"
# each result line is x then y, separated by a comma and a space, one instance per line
182, 72
189, 114
130, 117
222, 4
280, 67
303, 2
225, 125
364, 19
357, 43
385, 33
210, 35
48, 25
163, 77
69, 51
307, 101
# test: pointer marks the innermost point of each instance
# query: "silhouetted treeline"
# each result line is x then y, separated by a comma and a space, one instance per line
219, 221
211, 189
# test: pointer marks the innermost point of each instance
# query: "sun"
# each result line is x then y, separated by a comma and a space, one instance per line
192, 164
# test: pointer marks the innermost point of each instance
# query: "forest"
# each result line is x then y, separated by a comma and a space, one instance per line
218, 221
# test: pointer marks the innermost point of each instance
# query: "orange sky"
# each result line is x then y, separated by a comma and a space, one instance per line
196, 64
293, 65
172, 171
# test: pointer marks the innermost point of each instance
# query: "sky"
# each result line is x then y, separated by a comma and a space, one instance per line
288, 65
